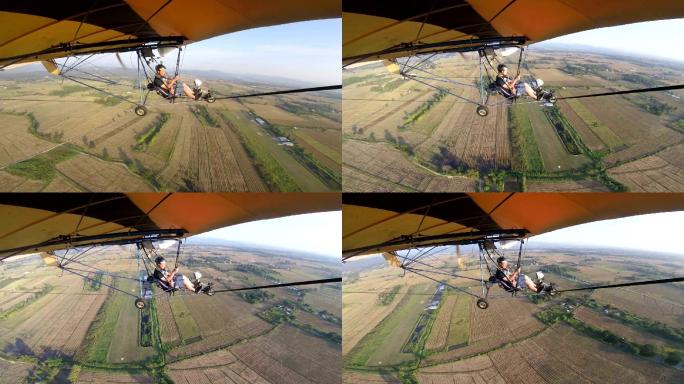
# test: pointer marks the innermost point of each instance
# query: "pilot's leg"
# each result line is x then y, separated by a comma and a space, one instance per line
188, 285
530, 92
188, 91
530, 284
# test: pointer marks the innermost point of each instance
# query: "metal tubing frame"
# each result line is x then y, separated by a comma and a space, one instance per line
116, 238
445, 239
484, 94
108, 47
443, 47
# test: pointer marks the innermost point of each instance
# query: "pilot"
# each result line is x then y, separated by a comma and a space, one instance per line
174, 279
172, 87
516, 88
515, 280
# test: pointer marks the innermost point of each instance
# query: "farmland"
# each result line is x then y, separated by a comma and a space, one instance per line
54, 325
400, 135
61, 137
559, 354
583, 336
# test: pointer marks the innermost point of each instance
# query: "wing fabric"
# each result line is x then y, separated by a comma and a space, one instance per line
44, 30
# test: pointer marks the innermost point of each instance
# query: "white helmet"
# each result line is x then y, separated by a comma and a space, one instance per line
540, 276
198, 83
198, 276
540, 82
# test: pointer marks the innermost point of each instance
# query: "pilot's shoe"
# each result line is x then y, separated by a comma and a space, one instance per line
196, 276
197, 93
550, 97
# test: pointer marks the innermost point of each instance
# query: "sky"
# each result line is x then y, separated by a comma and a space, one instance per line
654, 38
309, 51
660, 232
319, 233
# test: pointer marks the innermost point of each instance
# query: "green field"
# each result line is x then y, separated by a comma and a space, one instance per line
553, 151
102, 330
187, 326
610, 139
275, 175
527, 157
333, 154
459, 327
302, 177
42, 167
125, 346
382, 346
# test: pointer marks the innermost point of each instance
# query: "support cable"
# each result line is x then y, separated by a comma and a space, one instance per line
308, 282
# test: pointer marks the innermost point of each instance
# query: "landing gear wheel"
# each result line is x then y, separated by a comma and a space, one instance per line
210, 98
482, 110
140, 110
553, 291
140, 303
482, 304
209, 290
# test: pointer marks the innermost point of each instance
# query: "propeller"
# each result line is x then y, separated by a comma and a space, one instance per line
118, 58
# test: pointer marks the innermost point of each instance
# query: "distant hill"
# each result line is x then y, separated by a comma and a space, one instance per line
258, 247
536, 246
618, 54
36, 71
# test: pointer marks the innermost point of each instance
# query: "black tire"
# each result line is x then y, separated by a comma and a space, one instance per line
210, 98
211, 292
140, 110
482, 303
482, 111
553, 291
140, 304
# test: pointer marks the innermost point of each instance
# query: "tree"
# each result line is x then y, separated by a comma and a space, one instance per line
389, 137
673, 358
647, 350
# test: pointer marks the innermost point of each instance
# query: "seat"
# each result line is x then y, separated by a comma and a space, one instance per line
493, 88
163, 285
160, 91
505, 285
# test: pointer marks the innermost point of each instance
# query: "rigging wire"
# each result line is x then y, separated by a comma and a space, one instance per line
630, 284
296, 283
101, 272
629, 91
147, 22
439, 272
47, 100
99, 282
446, 284
313, 89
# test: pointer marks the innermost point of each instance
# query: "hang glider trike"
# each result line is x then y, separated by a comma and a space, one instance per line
66, 38
408, 229
407, 37
66, 228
